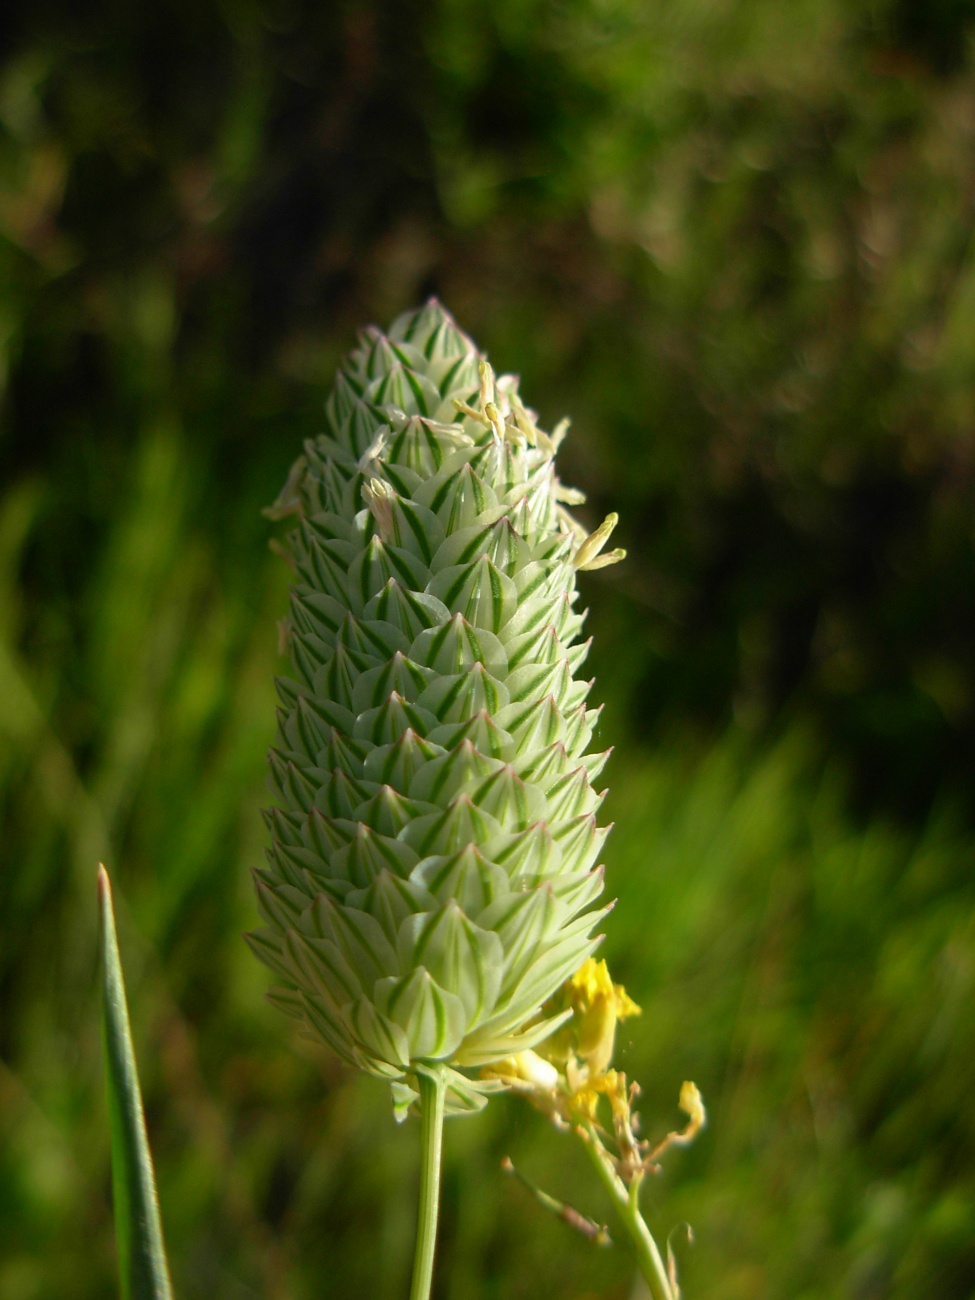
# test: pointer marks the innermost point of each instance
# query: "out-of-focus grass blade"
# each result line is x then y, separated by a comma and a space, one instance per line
142, 1257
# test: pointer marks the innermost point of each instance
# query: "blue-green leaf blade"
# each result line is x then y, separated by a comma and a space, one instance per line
143, 1270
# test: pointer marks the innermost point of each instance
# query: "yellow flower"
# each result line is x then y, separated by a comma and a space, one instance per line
596, 1004
692, 1104
585, 1100
569, 1073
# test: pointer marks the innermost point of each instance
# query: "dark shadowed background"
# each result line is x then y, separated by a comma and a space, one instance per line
735, 243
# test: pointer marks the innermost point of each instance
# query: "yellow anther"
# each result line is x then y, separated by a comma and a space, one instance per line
588, 551
493, 417
487, 383
604, 561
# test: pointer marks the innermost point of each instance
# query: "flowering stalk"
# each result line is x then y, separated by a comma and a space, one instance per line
626, 1201
569, 1080
623, 1180
431, 881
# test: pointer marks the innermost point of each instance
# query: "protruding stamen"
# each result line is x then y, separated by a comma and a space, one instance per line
587, 556
604, 561
524, 420
488, 390
374, 450
379, 497
488, 412
557, 436
466, 409
493, 416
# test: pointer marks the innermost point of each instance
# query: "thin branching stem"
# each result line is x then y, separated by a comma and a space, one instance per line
627, 1202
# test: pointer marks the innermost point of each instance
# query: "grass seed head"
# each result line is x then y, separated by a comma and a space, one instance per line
431, 880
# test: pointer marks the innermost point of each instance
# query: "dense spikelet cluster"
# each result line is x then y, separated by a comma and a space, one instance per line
431, 878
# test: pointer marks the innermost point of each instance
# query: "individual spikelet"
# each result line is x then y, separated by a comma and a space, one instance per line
431, 876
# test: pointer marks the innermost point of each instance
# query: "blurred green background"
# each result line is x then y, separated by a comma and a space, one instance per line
735, 242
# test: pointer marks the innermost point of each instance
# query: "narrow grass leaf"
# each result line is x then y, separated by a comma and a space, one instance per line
143, 1270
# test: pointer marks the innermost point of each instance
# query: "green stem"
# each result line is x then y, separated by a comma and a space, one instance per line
627, 1203
433, 1086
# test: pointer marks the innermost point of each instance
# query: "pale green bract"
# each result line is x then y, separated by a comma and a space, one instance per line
431, 878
